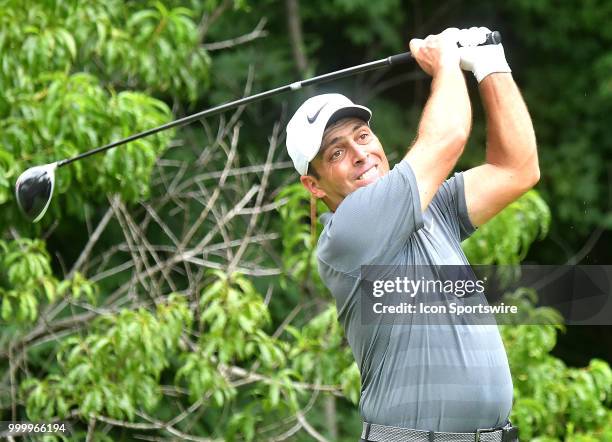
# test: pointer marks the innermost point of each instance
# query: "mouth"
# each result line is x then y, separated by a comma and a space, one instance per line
370, 173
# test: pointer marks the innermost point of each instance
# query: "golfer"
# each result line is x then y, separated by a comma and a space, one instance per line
419, 383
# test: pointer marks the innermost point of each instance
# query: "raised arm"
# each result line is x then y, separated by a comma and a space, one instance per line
511, 166
446, 120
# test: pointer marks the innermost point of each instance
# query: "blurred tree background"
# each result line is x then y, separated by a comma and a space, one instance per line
171, 290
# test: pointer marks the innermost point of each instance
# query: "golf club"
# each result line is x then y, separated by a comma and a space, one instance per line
34, 187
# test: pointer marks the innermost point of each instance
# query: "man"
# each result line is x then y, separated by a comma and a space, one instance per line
419, 382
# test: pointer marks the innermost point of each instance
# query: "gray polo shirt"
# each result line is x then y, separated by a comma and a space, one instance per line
440, 377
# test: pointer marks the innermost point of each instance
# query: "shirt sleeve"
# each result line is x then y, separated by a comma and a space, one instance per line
450, 204
374, 222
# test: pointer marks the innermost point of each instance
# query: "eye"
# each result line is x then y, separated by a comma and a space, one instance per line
364, 136
336, 154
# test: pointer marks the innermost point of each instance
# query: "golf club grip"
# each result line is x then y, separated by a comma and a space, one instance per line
493, 38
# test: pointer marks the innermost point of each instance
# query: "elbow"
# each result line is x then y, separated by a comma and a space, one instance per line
525, 167
521, 176
533, 170
455, 140
529, 176
535, 175
460, 135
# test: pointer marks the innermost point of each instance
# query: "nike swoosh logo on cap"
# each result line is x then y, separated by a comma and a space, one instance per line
314, 117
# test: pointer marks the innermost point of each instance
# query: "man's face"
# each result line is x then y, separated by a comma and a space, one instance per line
350, 157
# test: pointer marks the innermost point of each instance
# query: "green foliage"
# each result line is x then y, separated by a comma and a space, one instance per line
133, 44
351, 383
299, 258
320, 354
233, 314
552, 401
8, 171
366, 21
231, 332
242, 424
202, 377
78, 287
26, 280
318, 351
24, 262
58, 92
113, 370
506, 238
524, 299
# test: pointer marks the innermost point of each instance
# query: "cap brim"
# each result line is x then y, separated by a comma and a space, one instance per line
349, 111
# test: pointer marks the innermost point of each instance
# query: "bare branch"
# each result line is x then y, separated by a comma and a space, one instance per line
90, 429
93, 239
309, 428
207, 20
294, 23
256, 33
170, 429
262, 188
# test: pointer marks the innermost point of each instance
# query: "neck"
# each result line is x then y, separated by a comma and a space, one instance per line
330, 204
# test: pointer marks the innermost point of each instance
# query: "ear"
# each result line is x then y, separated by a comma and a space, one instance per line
312, 185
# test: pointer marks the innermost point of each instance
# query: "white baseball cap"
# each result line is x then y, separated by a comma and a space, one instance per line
306, 127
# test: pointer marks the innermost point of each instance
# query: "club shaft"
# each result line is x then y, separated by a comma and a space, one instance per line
246, 100
492, 38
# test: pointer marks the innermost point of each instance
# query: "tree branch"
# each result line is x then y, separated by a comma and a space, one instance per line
294, 23
256, 33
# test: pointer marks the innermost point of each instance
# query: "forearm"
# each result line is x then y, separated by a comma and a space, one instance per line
511, 142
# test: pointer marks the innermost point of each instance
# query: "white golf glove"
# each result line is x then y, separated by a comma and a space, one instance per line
481, 60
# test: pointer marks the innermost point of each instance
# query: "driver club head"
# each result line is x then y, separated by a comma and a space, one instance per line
34, 190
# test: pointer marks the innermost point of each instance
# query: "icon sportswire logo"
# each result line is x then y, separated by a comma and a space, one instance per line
312, 119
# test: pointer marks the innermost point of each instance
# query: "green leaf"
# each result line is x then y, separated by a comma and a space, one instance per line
68, 41
274, 394
7, 309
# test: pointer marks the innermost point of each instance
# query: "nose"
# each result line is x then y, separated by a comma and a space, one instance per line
360, 154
